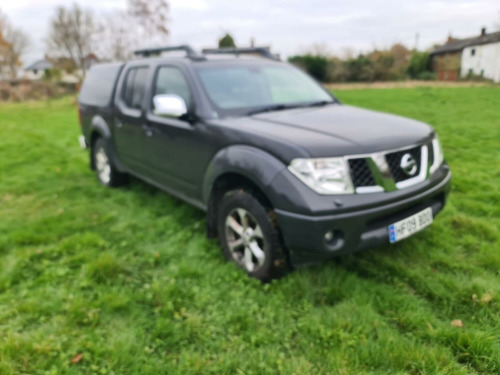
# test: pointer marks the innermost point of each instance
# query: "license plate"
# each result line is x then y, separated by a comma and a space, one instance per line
410, 225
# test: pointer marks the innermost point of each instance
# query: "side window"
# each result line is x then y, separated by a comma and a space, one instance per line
128, 87
135, 87
170, 80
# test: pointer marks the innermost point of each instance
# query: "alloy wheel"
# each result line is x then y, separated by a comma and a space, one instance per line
245, 239
102, 165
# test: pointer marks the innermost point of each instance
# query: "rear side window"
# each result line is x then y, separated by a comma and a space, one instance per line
170, 80
134, 87
97, 89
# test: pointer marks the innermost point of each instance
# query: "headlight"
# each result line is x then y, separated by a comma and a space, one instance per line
324, 176
438, 154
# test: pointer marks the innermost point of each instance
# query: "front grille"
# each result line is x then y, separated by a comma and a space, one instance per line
383, 171
361, 174
394, 161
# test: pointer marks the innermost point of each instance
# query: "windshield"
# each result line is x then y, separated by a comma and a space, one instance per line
242, 89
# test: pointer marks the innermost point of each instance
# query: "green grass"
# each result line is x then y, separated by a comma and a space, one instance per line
126, 278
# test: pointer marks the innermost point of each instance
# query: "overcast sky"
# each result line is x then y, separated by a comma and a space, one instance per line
290, 26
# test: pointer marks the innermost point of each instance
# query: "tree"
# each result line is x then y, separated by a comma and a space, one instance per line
401, 58
360, 69
118, 37
152, 17
227, 41
382, 63
72, 33
13, 43
315, 65
122, 32
418, 64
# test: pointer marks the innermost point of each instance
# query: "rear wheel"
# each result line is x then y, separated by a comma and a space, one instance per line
106, 172
249, 236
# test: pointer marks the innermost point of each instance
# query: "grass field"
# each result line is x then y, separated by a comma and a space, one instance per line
100, 281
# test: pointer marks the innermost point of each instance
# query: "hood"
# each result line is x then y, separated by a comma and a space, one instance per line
336, 130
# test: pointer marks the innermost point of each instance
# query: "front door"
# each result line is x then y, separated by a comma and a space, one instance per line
178, 150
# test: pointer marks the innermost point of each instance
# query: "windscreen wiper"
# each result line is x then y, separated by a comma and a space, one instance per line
281, 107
320, 103
272, 108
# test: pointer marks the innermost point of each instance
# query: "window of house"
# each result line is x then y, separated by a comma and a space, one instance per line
135, 87
473, 52
170, 80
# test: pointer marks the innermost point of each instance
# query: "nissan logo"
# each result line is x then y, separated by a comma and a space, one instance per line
408, 165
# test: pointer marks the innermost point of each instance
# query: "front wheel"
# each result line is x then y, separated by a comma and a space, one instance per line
106, 172
249, 236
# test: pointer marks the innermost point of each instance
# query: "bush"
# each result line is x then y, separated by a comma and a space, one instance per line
227, 41
474, 77
359, 69
419, 65
18, 91
320, 67
426, 76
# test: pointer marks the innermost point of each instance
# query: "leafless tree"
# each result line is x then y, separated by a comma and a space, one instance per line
72, 34
144, 23
118, 37
13, 43
152, 17
347, 53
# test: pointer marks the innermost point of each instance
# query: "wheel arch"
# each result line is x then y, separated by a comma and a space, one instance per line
99, 128
236, 167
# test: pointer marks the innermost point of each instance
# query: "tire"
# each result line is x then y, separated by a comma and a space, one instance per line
106, 172
249, 236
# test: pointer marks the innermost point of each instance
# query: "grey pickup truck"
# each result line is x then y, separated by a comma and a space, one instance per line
287, 175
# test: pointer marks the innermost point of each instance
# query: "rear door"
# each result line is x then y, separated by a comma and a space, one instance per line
129, 125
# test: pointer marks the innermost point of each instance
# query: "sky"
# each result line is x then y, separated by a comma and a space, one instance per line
290, 26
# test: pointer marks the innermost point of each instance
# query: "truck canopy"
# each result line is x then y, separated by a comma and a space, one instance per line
98, 87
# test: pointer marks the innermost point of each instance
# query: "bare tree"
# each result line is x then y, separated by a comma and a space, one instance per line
13, 43
118, 37
71, 35
152, 17
121, 32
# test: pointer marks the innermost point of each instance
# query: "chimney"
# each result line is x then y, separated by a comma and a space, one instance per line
483, 31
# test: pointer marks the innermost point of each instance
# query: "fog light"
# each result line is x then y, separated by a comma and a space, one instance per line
329, 236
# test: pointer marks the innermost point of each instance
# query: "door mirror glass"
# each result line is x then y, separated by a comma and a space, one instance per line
169, 105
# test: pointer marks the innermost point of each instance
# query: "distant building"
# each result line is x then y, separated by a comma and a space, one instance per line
479, 55
67, 72
37, 70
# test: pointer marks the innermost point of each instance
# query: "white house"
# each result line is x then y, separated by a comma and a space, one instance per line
37, 70
482, 59
478, 55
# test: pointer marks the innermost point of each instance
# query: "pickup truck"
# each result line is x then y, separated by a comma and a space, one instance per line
286, 173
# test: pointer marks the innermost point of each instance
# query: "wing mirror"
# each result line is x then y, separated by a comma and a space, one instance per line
169, 105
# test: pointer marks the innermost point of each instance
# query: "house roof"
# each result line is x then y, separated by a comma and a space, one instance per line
40, 65
454, 45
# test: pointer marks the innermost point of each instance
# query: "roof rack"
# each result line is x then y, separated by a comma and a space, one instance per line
190, 52
263, 51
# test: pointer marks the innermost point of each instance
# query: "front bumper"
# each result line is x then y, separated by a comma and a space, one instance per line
304, 235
